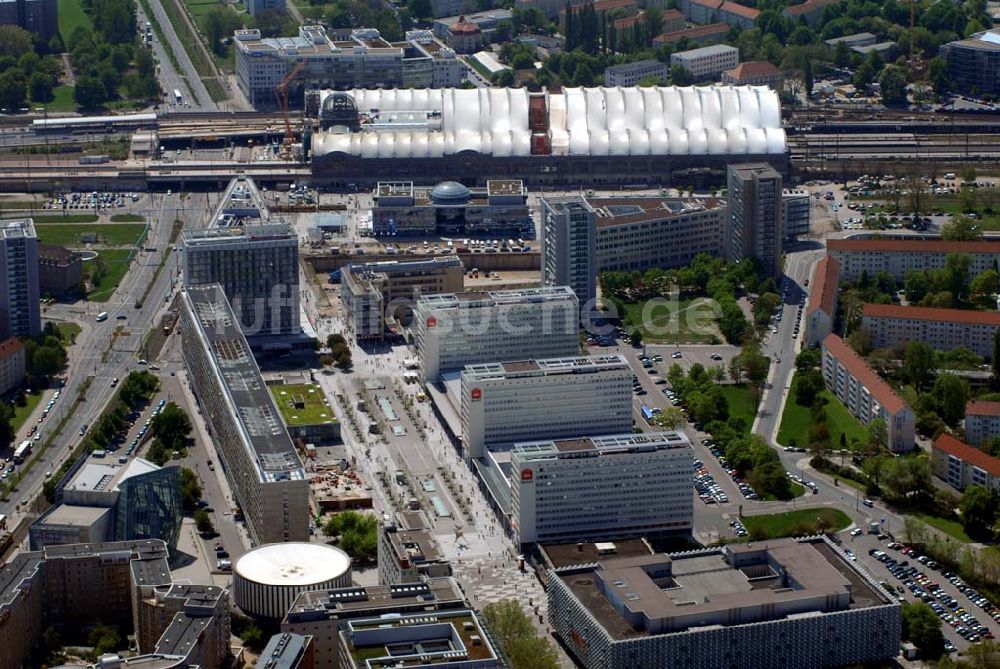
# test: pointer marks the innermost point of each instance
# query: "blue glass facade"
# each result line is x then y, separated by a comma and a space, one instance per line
149, 507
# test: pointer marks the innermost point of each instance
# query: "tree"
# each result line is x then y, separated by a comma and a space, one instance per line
517, 636
104, 639
951, 393
420, 10
190, 490
253, 637
357, 532
922, 627
756, 366
14, 41
918, 363
986, 284
892, 85
979, 509
807, 76
961, 229
861, 341
203, 521
12, 90
671, 418
937, 71
273, 23
635, 337
40, 87
219, 23
172, 426
917, 284
89, 92
808, 386
878, 434
680, 76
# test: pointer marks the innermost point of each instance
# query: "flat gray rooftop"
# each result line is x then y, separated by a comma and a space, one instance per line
250, 401
18, 229
433, 592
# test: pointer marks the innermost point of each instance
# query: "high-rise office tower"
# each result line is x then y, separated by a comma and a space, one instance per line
19, 298
754, 229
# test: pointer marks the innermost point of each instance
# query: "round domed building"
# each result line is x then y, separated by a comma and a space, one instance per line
267, 579
450, 192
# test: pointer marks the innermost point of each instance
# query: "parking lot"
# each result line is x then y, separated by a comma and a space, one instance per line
92, 201
966, 615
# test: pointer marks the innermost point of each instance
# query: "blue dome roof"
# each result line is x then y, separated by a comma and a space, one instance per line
450, 191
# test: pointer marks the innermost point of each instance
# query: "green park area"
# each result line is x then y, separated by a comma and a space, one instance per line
739, 398
796, 523
302, 404
71, 17
844, 428
21, 413
73, 235
689, 321
106, 272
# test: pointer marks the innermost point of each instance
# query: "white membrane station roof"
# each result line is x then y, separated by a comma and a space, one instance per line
430, 123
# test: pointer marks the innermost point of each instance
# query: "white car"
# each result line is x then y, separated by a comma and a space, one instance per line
856, 532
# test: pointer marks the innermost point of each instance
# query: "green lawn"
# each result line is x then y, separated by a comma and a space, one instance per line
67, 218
795, 421
798, 522
21, 413
690, 321
68, 332
112, 234
127, 218
71, 17
302, 404
62, 100
116, 262
740, 403
952, 528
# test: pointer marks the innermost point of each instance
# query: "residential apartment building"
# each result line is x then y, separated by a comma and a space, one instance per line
569, 252
944, 329
810, 10
599, 488
974, 62
962, 465
445, 639
821, 305
629, 234
796, 213
754, 73
900, 255
503, 403
712, 33
755, 225
124, 584
60, 271
459, 329
707, 62
711, 11
255, 451
375, 295
106, 499
865, 394
982, 422
451, 209
13, 364
358, 58
20, 314
37, 16
808, 607
255, 7
320, 613
408, 551
630, 74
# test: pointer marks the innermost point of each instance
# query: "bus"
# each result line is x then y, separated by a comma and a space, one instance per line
22, 451
177, 96
103, 316
647, 413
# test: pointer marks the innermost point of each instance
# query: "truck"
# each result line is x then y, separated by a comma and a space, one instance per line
178, 98
103, 316
22, 451
94, 160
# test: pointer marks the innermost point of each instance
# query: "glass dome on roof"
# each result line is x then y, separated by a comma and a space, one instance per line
449, 192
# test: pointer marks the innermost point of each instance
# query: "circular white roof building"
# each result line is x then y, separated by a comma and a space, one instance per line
267, 579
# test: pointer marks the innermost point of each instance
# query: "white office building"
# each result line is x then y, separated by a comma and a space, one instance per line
255, 452
458, 329
598, 488
707, 62
630, 74
504, 403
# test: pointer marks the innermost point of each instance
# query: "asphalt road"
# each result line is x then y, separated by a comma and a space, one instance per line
103, 351
170, 78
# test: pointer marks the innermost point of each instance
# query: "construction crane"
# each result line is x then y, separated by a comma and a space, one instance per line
281, 92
